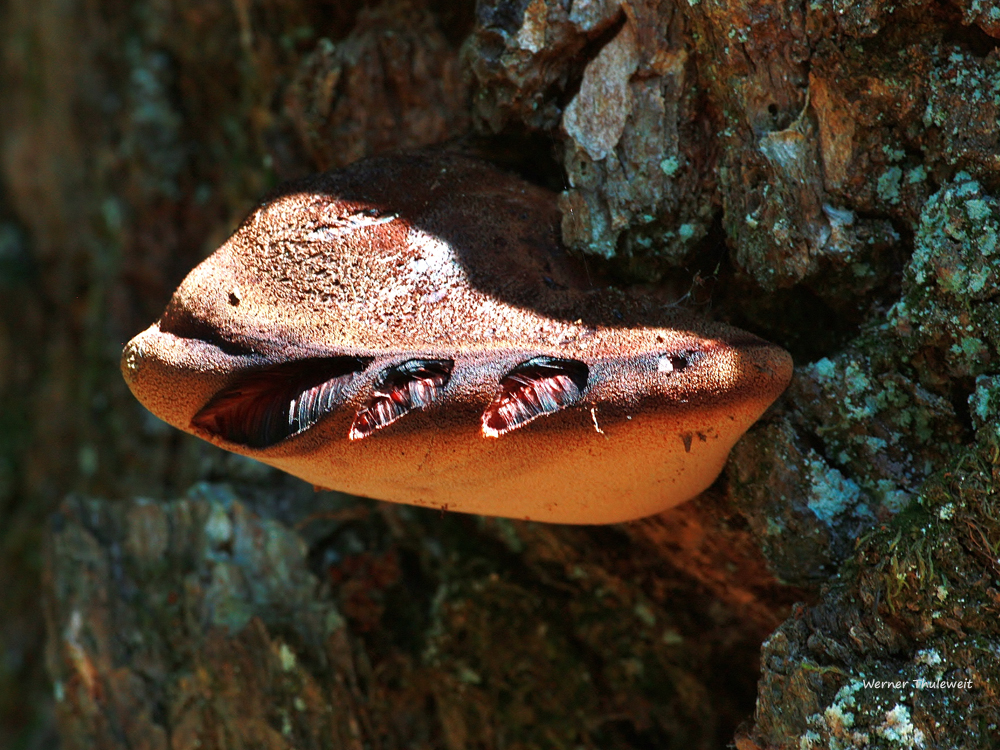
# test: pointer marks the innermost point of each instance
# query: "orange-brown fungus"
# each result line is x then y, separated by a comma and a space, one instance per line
411, 329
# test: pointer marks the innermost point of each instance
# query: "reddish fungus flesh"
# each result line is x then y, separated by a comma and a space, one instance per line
532, 389
414, 384
271, 404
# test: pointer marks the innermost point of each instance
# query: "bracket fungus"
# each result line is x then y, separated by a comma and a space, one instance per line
411, 329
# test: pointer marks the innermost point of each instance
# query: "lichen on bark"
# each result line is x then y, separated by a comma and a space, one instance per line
199, 623
823, 174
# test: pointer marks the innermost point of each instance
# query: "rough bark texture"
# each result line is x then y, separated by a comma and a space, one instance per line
826, 175
200, 623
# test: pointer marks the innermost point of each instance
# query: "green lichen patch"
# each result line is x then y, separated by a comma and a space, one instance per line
875, 423
898, 707
884, 410
985, 14
984, 407
963, 107
805, 513
862, 439
903, 649
949, 316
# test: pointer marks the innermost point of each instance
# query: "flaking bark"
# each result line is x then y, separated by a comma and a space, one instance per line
824, 175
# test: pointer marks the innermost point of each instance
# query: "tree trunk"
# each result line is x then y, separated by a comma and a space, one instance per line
824, 175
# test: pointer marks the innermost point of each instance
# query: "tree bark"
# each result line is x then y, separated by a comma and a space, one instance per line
823, 175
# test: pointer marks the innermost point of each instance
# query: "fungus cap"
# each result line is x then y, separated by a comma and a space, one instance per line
411, 329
